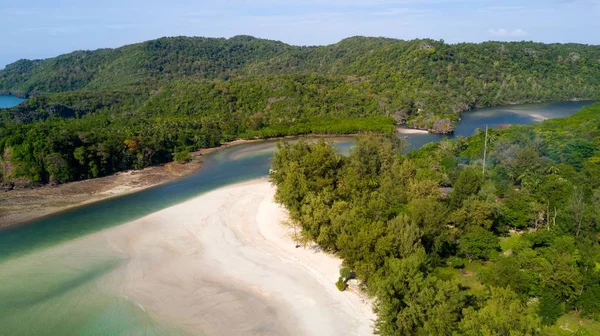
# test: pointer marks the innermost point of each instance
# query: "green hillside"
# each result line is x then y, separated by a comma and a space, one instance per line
417, 81
92, 113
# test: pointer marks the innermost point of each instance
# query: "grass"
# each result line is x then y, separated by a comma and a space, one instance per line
467, 276
570, 323
510, 243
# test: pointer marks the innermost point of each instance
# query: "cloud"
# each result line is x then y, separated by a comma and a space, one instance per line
506, 33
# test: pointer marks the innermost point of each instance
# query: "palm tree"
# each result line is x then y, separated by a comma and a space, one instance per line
552, 170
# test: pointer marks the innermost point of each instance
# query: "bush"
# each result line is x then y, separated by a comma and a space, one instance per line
183, 156
345, 273
341, 284
457, 262
478, 243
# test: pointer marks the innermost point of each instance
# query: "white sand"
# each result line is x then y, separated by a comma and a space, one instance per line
403, 130
221, 264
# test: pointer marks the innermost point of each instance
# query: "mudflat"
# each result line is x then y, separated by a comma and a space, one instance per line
21, 205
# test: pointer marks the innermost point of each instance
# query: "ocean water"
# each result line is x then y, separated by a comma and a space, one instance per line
48, 290
9, 101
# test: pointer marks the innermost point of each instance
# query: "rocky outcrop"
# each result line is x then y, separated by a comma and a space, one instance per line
22, 95
442, 126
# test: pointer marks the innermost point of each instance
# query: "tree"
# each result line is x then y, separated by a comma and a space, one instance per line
432, 307
478, 243
550, 308
57, 168
468, 183
502, 314
474, 213
577, 208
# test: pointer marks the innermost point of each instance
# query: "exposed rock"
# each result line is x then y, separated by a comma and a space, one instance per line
443, 126
7, 186
425, 46
400, 116
574, 57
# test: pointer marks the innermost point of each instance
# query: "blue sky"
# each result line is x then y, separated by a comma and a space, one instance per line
46, 28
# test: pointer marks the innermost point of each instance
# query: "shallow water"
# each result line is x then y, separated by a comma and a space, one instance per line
47, 290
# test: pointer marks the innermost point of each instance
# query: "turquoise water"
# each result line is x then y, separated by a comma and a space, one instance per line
47, 291
9, 101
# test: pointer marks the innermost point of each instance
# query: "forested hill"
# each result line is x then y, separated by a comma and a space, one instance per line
419, 81
146, 63
93, 113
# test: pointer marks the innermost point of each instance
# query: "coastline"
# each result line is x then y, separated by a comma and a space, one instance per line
20, 206
227, 253
221, 263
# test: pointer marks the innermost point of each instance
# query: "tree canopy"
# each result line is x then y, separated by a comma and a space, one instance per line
500, 255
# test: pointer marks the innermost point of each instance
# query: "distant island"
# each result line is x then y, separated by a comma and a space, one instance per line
153, 102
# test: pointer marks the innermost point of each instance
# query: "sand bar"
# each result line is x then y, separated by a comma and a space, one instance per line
221, 264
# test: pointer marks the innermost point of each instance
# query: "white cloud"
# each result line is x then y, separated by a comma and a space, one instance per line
507, 33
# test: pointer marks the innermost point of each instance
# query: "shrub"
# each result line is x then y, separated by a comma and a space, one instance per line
183, 156
457, 262
341, 284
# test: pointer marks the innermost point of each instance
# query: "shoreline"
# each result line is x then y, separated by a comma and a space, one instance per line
226, 252
21, 206
220, 263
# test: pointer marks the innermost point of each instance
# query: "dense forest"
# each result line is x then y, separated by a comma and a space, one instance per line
418, 81
92, 113
450, 248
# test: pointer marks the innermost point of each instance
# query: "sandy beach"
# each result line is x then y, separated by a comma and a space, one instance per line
403, 130
222, 264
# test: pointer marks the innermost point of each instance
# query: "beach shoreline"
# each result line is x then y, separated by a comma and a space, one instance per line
226, 253
220, 264
20, 206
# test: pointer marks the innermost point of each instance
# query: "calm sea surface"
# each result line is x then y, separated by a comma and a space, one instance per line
9, 101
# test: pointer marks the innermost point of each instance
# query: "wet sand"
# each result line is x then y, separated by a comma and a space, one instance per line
222, 264
22, 205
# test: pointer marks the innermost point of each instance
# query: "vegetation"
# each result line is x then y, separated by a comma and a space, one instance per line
85, 134
529, 228
92, 113
419, 81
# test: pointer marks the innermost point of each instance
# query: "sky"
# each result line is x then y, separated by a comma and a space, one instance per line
36, 29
